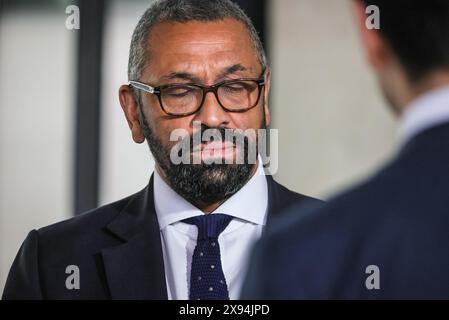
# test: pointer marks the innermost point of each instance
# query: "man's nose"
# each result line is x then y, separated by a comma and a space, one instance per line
211, 113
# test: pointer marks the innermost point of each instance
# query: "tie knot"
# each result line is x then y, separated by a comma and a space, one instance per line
209, 225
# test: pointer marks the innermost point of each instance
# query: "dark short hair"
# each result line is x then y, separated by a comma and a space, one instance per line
418, 33
183, 11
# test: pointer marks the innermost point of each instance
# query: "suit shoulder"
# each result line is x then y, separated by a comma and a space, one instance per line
85, 223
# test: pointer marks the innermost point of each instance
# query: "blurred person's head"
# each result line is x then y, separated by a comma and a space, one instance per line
177, 45
410, 50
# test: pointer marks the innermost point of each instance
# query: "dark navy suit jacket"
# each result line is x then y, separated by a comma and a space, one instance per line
117, 249
398, 221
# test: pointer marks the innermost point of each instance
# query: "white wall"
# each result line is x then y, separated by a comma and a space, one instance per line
333, 125
36, 112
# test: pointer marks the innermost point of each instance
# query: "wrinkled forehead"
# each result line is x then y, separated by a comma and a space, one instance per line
200, 47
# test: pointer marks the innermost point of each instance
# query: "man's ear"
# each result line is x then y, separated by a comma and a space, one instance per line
266, 94
376, 49
131, 110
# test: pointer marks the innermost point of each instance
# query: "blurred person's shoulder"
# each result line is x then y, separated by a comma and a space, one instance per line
324, 251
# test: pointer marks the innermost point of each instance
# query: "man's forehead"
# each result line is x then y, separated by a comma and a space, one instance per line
227, 33
221, 47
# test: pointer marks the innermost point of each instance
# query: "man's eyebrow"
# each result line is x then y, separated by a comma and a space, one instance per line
232, 69
182, 75
191, 77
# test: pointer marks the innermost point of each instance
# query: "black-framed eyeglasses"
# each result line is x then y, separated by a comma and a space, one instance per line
237, 95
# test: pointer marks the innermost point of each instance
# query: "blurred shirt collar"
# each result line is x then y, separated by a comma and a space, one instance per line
427, 111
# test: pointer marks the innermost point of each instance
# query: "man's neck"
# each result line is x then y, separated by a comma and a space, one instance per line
437, 80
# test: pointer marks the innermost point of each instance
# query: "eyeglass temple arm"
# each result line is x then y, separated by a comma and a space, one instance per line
142, 86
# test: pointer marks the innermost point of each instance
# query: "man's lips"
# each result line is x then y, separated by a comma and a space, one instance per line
214, 146
215, 150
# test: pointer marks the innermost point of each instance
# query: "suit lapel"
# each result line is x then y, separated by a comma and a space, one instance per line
135, 269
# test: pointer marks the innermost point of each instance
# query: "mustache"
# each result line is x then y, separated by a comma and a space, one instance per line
231, 138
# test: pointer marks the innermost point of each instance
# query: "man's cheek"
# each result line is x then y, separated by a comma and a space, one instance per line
177, 145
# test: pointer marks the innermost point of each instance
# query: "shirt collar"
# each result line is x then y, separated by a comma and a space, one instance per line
428, 110
249, 203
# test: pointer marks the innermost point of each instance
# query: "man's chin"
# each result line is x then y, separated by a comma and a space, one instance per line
209, 183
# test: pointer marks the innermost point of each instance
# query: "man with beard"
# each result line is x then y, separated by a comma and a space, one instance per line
188, 234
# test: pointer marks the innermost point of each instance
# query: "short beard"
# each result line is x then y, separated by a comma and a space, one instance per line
200, 184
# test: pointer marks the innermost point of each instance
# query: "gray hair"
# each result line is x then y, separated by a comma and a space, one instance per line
183, 11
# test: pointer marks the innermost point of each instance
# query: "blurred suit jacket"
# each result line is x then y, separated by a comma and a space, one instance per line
117, 249
397, 221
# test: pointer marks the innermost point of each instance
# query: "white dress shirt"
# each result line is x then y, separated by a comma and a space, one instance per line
428, 110
248, 207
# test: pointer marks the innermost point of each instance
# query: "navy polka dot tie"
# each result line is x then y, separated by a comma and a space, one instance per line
207, 281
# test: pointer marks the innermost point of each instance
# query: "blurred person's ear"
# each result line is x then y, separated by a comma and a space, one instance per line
131, 109
377, 51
